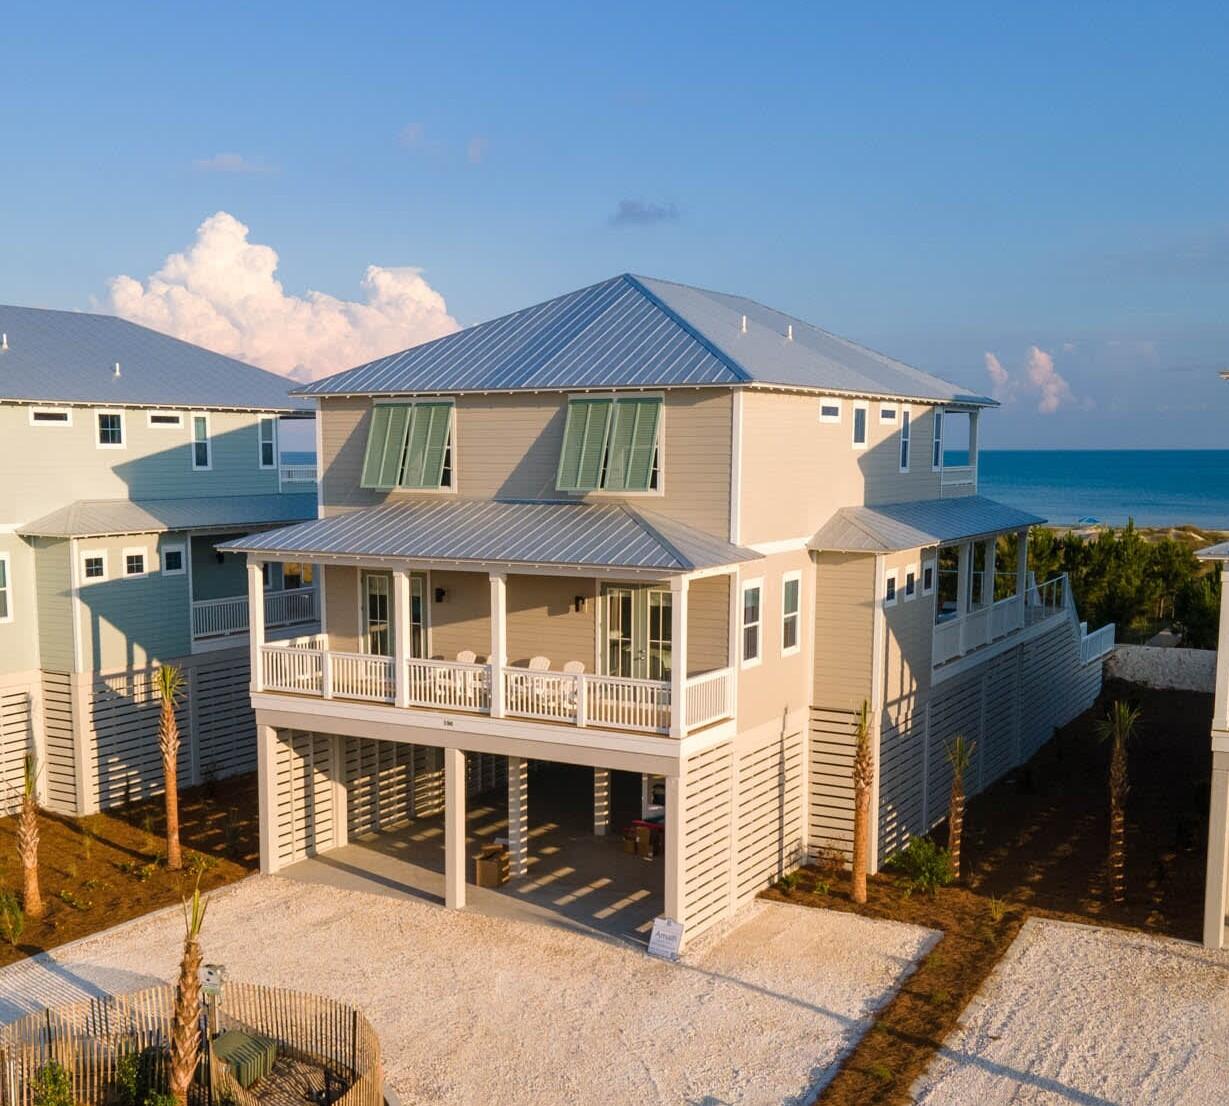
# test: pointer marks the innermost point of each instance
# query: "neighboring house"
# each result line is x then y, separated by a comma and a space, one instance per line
1216, 892
126, 455
649, 528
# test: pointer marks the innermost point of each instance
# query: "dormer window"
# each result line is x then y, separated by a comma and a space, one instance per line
610, 444
410, 446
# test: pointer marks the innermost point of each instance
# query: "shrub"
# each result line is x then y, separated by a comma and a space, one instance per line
53, 1086
788, 882
925, 866
12, 917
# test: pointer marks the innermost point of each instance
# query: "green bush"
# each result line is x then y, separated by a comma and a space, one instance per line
925, 866
12, 917
53, 1086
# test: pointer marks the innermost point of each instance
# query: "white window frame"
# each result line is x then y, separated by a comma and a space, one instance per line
177, 415
790, 650
906, 594
68, 411
891, 595
123, 429
936, 440
743, 625
889, 412
7, 590
260, 441
929, 565
860, 405
192, 442
89, 555
906, 438
173, 547
136, 551
830, 401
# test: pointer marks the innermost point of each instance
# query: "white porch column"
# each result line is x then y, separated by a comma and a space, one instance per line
1217, 886
499, 641
987, 580
518, 816
454, 829
1021, 564
266, 790
601, 801
676, 874
256, 621
646, 793
964, 566
973, 416
678, 656
1220, 704
401, 637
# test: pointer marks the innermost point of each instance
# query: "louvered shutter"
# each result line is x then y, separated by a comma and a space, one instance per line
384, 442
584, 444
633, 438
428, 441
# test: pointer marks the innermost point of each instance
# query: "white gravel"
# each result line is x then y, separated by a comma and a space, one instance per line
1074, 1014
474, 1009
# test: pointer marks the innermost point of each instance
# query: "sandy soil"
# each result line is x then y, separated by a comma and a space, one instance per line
1077, 1014
477, 1009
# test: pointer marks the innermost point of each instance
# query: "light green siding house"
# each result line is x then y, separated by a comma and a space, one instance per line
126, 457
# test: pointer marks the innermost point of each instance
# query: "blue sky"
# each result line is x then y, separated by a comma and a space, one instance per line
938, 182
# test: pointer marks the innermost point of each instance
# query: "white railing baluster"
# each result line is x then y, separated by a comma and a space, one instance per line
229, 615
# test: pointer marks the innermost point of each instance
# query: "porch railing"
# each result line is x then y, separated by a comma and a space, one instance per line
295, 474
448, 684
710, 696
958, 476
956, 636
359, 676
1094, 646
619, 703
229, 615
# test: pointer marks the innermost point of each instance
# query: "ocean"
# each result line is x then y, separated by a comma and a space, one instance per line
1156, 487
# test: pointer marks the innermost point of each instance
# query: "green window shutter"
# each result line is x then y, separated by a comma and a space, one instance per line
633, 439
378, 444
428, 440
584, 445
390, 462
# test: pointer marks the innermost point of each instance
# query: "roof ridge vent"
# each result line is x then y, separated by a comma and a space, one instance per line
743, 328
789, 332
115, 370
4, 342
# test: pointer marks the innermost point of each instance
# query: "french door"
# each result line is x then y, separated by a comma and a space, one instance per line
636, 632
376, 597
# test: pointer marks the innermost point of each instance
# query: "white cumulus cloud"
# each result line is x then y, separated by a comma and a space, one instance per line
1039, 378
1000, 378
222, 292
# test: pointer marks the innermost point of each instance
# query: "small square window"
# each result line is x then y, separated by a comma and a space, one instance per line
134, 562
172, 560
95, 565
829, 410
110, 429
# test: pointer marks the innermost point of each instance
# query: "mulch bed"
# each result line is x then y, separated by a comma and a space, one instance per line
1035, 844
106, 868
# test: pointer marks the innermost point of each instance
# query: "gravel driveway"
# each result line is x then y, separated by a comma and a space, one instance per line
474, 1009
1079, 1015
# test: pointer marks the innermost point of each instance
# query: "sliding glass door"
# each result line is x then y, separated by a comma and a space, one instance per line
636, 631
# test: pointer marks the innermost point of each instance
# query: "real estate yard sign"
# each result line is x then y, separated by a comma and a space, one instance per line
667, 938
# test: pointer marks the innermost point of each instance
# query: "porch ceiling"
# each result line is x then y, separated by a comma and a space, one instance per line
893, 527
588, 535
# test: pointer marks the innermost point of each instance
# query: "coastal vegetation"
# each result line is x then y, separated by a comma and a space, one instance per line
1144, 581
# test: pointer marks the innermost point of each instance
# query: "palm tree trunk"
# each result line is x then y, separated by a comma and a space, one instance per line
185, 1028
168, 735
955, 823
27, 849
1118, 822
861, 843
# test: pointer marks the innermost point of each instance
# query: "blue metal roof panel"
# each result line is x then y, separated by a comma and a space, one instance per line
504, 532
68, 357
892, 527
101, 517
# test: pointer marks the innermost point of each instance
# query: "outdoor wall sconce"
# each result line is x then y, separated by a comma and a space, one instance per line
440, 595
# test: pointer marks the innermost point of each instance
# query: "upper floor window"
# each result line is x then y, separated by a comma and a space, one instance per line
110, 429
905, 430
889, 587
936, 453
51, 416
791, 605
172, 560
6, 602
888, 413
610, 444
134, 562
829, 410
753, 591
202, 445
94, 566
268, 442
928, 577
165, 420
861, 412
410, 446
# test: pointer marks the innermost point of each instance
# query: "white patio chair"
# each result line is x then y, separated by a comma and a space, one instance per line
539, 664
574, 668
466, 656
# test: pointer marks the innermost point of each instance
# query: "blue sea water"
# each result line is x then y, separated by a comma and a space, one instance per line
1162, 487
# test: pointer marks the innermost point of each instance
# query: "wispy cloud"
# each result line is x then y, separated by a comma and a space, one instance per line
439, 151
640, 213
1037, 379
231, 163
222, 292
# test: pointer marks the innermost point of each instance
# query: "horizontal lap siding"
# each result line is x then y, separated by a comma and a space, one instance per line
542, 620
708, 624
770, 826
844, 629
706, 837
833, 739
60, 768
303, 767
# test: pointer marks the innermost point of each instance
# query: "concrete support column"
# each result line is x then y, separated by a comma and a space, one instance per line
401, 637
499, 641
256, 621
266, 791
601, 801
454, 829
518, 816
1217, 885
676, 868
678, 656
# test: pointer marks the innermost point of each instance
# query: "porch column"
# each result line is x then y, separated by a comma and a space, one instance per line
454, 829
256, 621
678, 656
266, 792
1021, 564
518, 816
499, 641
962, 590
401, 637
1217, 887
676, 875
601, 801
973, 415
646, 793
988, 577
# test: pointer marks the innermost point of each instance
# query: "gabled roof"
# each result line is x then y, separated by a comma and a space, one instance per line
1217, 552
504, 532
69, 357
95, 518
638, 332
893, 527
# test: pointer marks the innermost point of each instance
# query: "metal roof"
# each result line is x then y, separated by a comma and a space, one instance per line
69, 357
96, 518
639, 332
892, 527
1217, 552
504, 532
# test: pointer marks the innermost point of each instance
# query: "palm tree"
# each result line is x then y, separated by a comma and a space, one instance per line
27, 841
186, 1020
959, 756
168, 681
863, 778
1119, 726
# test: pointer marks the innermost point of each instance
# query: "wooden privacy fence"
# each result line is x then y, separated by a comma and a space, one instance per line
323, 1044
